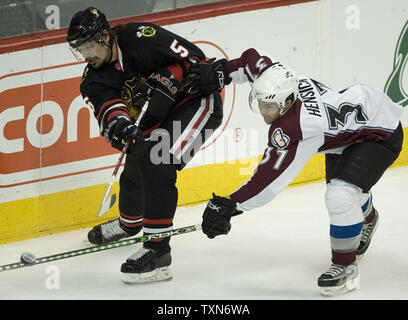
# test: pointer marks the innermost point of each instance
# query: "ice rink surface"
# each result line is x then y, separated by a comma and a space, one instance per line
273, 253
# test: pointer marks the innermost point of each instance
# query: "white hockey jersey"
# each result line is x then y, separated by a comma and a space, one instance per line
321, 120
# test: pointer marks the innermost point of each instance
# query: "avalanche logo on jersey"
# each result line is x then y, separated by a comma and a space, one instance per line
340, 115
146, 31
279, 139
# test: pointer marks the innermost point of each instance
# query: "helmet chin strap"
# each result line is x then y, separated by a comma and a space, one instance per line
283, 110
110, 46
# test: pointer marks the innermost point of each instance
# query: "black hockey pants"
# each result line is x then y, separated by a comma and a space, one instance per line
148, 194
364, 163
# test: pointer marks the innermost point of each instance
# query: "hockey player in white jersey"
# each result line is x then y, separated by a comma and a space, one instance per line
357, 128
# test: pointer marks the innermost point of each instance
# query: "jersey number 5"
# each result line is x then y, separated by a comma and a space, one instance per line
179, 49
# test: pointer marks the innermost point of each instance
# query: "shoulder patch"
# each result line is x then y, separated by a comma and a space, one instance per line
279, 139
146, 31
84, 73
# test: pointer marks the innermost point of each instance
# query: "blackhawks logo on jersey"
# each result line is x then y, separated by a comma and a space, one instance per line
146, 31
132, 96
394, 87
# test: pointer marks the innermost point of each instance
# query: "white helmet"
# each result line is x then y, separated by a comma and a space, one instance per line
275, 84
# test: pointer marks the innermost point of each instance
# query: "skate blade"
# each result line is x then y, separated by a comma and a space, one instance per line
159, 274
361, 256
350, 285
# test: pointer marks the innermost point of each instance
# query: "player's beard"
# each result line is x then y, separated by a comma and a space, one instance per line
96, 62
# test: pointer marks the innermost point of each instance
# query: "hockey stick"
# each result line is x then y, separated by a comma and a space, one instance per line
108, 246
122, 155
115, 171
108, 204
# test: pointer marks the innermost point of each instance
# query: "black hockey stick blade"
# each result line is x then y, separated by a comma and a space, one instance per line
108, 246
107, 204
112, 200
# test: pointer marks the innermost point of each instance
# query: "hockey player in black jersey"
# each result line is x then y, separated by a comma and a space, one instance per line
127, 66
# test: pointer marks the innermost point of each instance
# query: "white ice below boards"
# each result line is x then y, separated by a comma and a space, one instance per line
275, 252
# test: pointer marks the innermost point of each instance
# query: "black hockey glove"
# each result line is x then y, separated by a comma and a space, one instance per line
134, 94
207, 77
162, 90
121, 129
217, 216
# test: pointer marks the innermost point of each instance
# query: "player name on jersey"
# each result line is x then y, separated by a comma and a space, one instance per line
308, 97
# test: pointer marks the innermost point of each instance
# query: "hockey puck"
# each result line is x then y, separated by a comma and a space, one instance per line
28, 258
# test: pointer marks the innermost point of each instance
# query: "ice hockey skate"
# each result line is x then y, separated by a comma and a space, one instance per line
108, 232
339, 279
146, 265
366, 236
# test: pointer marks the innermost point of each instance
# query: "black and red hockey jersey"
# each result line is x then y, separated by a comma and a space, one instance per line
142, 48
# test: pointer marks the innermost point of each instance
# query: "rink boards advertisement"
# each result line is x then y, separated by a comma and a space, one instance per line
55, 165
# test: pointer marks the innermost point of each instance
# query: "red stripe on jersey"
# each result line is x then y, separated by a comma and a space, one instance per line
194, 127
107, 103
131, 225
130, 217
118, 111
157, 221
